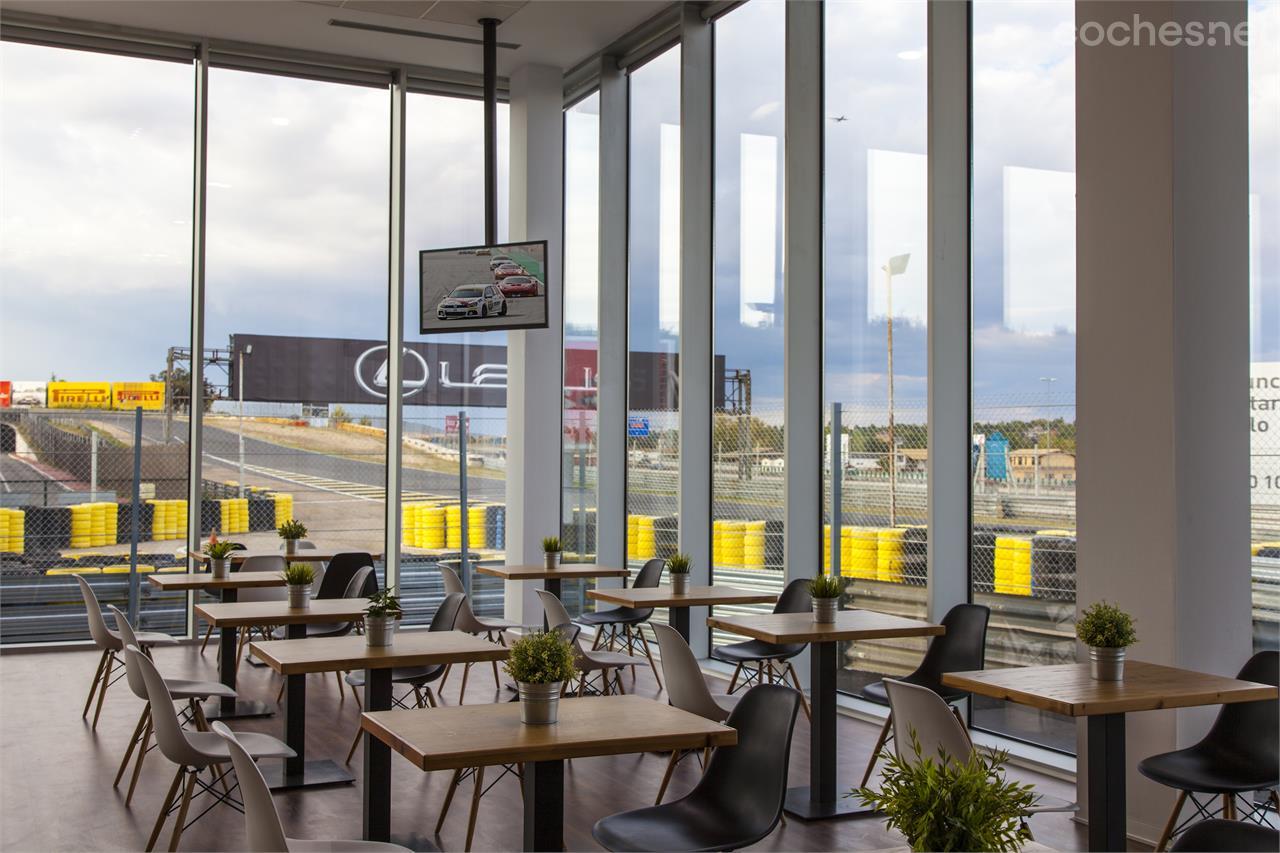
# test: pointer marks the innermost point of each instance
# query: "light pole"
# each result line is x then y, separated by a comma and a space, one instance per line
246, 350
897, 266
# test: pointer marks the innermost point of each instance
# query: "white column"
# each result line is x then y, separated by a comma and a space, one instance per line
195, 406
395, 329
696, 364
535, 358
949, 318
1162, 356
611, 416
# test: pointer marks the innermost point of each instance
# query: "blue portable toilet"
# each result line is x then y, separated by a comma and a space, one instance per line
997, 457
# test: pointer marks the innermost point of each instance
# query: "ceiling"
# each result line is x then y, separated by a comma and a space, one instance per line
559, 33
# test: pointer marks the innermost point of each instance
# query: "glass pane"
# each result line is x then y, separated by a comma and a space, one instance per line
1024, 340
95, 306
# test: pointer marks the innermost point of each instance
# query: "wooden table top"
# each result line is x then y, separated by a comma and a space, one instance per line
307, 556
241, 613
1068, 688
697, 596
567, 571
205, 580
411, 648
800, 627
448, 738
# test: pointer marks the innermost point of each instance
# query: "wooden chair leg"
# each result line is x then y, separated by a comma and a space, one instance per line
582, 684
595, 643
476, 794
666, 777
280, 692
356, 693
706, 759
630, 638
1229, 807
445, 677
354, 743
1172, 821
164, 809
617, 675
448, 798
102, 691
733, 682
804, 700
182, 811
875, 751
644, 644
497, 680
431, 696
208, 632
97, 677
133, 743
466, 670
342, 694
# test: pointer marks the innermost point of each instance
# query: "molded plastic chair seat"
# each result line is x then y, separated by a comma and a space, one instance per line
679, 825
876, 692
184, 688
306, 845
750, 651
615, 616
1207, 769
262, 746
1216, 835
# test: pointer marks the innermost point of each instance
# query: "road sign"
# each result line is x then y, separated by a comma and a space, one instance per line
637, 427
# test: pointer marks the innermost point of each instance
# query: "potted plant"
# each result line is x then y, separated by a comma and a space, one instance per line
299, 577
942, 803
678, 567
219, 553
380, 617
291, 531
825, 590
1107, 631
551, 550
541, 662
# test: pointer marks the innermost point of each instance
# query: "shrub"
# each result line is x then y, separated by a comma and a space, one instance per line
551, 544
292, 529
543, 657
219, 549
299, 574
384, 603
680, 564
826, 586
1106, 626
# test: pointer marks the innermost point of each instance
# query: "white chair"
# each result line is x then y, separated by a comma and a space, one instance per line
262, 821
193, 752
111, 644
194, 692
608, 665
260, 563
470, 623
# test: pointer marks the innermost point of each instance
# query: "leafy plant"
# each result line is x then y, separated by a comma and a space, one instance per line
219, 549
551, 544
1106, 626
946, 804
542, 657
826, 586
299, 574
384, 603
292, 529
679, 564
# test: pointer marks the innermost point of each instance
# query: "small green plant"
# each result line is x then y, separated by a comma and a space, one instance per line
384, 603
551, 544
365, 420
292, 529
299, 574
219, 549
339, 415
945, 804
543, 657
826, 586
1106, 626
679, 564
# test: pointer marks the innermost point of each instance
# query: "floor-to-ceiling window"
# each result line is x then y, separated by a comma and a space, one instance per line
747, 474
1024, 320
653, 331
95, 301
874, 314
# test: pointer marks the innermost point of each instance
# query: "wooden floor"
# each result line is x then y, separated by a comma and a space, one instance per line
56, 773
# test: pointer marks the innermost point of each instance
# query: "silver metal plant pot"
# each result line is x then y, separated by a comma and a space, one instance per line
299, 596
379, 630
1106, 664
824, 610
553, 559
221, 568
539, 703
680, 583
290, 547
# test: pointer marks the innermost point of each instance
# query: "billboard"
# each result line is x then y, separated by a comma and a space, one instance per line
484, 288
79, 395
1264, 432
131, 395
28, 394
6, 394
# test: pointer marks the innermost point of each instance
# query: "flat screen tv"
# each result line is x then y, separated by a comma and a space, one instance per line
484, 288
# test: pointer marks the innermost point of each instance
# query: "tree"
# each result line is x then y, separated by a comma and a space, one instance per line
180, 388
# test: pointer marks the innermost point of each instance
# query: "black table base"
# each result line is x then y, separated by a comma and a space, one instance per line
240, 709
1107, 809
801, 803
377, 761
678, 618
544, 806
297, 772
312, 774
229, 707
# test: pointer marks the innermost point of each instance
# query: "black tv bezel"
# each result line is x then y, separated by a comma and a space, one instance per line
546, 283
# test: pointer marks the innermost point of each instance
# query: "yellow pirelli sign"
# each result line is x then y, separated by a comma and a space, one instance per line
131, 395
79, 395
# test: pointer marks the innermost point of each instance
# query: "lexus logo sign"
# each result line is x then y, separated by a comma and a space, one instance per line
371, 371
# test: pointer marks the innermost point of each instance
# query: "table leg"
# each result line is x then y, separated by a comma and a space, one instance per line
1107, 810
228, 707
544, 805
377, 760
551, 585
679, 618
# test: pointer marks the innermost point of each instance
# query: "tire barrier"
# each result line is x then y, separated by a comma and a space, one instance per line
13, 526
578, 534
425, 524
42, 602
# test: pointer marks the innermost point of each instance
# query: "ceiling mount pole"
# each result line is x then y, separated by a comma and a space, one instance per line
490, 26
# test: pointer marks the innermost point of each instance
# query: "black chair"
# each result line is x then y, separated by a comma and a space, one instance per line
607, 622
1224, 836
340, 571
961, 649
739, 799
772, 660
1237, 757
419, 678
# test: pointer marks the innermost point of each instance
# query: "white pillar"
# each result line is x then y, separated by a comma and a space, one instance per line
535, 357
395, 330
1162, 356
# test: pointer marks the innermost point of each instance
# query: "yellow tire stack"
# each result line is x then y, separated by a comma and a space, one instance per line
717, 542
164, 521
475, 525
409, 525
123, 569
98, 524
889, 560
733, 544
859, 553
432, 523
1013, 565
242, 515
753, 539
640, 538
284, 507
81, 526
12, 531
453, 526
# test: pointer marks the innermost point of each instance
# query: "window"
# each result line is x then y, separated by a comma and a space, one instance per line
1024, 317
874, 315
95, 304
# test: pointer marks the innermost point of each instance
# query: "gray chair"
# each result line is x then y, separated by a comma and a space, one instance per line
772, 661
590, 662
467, 621
608, 622
1228, 836
260, 563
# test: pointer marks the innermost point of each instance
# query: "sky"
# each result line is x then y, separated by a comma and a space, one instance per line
95, 160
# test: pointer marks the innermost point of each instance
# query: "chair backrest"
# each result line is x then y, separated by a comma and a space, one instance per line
749, 780
132, 674
650, 574
340, 571
452, 583
102, 636
261, 820
920, 710
447, 613
1227, 836
554, 610
961, 649
358, 583
302, 545
263, 563
686, 688
1251, 730
795, 598
164, 720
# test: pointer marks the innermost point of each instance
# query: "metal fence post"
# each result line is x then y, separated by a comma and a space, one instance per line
837, 484
134, 603
464, 533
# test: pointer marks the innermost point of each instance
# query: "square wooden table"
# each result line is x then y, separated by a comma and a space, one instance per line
551, 577
820, 799
483, 735
1069, 689
678, 605
294, 659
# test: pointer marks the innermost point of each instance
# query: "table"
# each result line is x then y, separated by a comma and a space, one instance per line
300, 556
451, 738
551, 577
229, 617
678, 605
820, 799
1069, 689
294, 659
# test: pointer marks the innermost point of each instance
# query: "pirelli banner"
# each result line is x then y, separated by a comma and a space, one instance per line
148, 396
79, 395
281, 369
